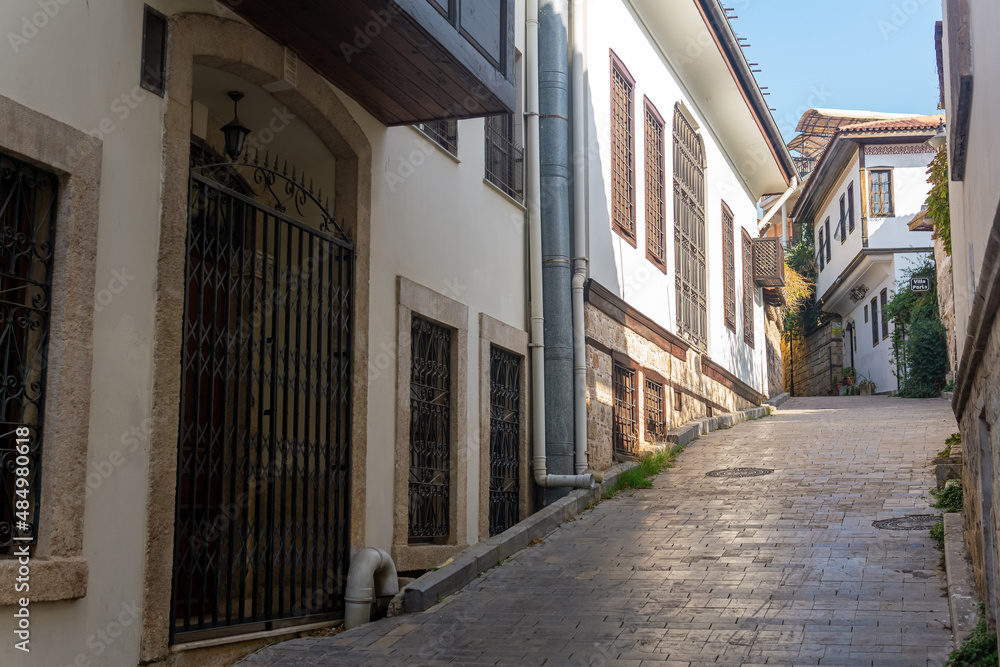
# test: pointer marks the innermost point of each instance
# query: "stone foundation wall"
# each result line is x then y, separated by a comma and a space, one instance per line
812, 364
946, 301
980, 428
681, 372
775, 365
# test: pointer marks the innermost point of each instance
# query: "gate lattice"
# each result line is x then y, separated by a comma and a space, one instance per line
262, 514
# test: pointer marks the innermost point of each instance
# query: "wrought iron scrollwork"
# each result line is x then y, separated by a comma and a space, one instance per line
269, 181
27, 231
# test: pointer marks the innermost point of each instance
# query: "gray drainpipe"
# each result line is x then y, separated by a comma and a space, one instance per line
554, 149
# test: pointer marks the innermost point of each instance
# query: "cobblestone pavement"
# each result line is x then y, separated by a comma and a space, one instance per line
781, 569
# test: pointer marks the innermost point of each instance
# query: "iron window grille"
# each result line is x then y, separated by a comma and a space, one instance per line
729, 267
874, 305
747, 289
656, 423
656, 250
504, 157
28, 200
442, 132
622, 150
820, 255
430, 432
842, 223
826, 226
505, 428
881, 193
689, 231
884, 299
626, 436
850, 206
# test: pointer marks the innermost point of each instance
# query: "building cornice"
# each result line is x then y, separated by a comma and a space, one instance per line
856, 262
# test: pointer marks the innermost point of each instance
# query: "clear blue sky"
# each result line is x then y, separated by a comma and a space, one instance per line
876, 55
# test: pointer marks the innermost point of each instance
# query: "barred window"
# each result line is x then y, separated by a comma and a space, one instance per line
729, 267
826, 226
625, 433
881, 193
689, 231
850, 206
656, 423
442, 132
884, 299
874, 306
842, 223
747, 289
27, 215
622, 150
504, 157
656, 249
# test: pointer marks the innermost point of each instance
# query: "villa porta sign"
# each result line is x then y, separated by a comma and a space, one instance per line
920, 284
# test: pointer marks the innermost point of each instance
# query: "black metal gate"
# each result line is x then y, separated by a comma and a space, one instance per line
262, 516
505, 431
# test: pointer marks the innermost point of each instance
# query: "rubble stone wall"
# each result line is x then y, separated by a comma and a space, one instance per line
812, 364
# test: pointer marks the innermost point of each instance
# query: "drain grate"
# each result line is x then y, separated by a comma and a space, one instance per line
912, 522
740, 472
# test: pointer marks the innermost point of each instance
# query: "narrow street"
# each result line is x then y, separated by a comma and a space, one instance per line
782, 568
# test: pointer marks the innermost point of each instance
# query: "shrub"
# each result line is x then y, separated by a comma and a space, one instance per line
978, 650
949, 497
937, 534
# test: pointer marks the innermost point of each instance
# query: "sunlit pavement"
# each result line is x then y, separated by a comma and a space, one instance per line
783, 568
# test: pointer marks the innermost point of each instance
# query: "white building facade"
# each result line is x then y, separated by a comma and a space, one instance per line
864, 204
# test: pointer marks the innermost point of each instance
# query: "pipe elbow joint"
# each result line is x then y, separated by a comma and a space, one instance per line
372, 573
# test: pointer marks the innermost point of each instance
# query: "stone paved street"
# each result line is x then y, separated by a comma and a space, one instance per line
781, 569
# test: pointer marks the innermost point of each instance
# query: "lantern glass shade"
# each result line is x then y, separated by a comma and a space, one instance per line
234, 132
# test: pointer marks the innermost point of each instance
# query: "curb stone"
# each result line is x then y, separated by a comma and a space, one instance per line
963, 602
433, 586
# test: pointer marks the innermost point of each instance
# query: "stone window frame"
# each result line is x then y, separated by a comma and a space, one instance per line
58, 567
415, 299
493, 332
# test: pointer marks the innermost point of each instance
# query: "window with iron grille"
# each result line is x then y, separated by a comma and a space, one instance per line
504, 157
822, 255
866, 313
842, 223
656, 249
442, 132
881, 193
884, 299
689, 231
626, 433
656, 423
27, 215
622, 150
729, 267
747, 289
430, 432
874, 306
505, 429
850, 206
826, 226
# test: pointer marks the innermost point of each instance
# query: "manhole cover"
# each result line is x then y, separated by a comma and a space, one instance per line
740, 472
912, 522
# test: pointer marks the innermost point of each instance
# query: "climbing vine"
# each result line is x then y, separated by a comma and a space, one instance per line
937, 199
919, 345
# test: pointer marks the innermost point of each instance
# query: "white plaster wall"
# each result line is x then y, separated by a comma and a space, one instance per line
974, 201
841, 253
910, 188
614, 263
873, 361
442, 227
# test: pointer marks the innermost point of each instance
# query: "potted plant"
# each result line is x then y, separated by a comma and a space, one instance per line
849, 374
865, 386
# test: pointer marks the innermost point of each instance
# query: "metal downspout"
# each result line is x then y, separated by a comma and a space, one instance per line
534, 190
580, 257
